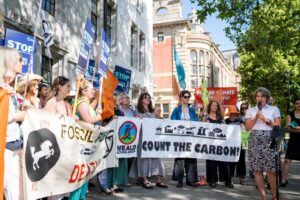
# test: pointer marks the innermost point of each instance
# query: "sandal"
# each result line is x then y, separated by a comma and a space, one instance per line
107, 192
161, 185
147, 186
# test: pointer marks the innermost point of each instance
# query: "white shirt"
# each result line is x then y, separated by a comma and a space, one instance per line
13, 128
270, 112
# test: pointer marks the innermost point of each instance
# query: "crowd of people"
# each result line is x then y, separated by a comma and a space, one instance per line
29, 92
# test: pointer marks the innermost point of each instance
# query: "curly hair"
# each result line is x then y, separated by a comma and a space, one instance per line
30, 88
83, 84
140, 106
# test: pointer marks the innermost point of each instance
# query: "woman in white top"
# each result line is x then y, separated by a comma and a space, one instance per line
260, 121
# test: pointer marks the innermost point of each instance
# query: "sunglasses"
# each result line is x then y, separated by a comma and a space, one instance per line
146, 97
186, 97
244, 108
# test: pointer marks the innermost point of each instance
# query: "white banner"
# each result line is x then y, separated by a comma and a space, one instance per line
186, 139
60, 154
128, 136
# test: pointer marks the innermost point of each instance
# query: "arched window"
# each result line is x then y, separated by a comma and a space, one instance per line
193, 57
162, 11
193, 61
201, 58
207, 59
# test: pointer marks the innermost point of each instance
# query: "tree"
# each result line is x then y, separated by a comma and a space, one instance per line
267, 34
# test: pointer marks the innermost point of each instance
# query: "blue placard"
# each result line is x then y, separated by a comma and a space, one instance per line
123, 75
2, 42
86, 45
89, 75
105, 51
23, 43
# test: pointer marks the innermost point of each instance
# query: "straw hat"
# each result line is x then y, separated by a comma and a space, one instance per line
22, 81
232, 110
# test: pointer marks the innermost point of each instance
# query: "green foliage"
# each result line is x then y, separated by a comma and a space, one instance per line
267, 34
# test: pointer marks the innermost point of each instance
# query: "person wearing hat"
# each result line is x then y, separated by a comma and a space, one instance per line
31, 99
240, 166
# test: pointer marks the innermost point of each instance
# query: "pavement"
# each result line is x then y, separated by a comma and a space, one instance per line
249, 191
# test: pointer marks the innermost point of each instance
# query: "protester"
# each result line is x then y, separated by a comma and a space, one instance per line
10, 65
86, 113
43, 95
214, 115
189, 165
260, 120
125, 108
147, 167
57, 104
128, 112
293, 149
31, 99
240, 166
118, 175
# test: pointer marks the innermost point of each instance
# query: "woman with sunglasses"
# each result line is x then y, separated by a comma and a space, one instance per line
189, 165
147, 167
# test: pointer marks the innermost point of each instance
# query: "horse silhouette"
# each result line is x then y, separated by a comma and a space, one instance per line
46, 151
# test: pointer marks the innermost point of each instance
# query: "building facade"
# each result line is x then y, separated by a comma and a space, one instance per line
127, 22
200, 56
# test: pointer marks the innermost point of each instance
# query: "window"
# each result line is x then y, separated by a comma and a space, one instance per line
49, 6
94, 17
165, 108
160, 36
193, 57
47, 69
194, 70
132, 45
107, 19
194, 82
207, 59
162, 11
201, 58
142, 52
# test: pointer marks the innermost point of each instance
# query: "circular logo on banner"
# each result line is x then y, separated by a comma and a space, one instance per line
127, 132
41, 154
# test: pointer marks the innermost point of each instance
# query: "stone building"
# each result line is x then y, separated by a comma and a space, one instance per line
127, 22
200, 56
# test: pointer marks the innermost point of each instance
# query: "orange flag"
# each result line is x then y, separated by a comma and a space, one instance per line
4, 106
109, 86
176, 89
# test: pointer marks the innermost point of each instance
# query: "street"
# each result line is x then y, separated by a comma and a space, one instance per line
186, 193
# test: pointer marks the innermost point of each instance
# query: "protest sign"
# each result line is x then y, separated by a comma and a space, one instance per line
128, 136
187, 139
105, 51
86, 45
225, 95
23, 43
63, 153
124, 76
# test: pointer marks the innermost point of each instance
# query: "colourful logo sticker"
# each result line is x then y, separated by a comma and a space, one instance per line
127, 132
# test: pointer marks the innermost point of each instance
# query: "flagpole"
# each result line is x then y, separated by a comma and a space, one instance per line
31, 53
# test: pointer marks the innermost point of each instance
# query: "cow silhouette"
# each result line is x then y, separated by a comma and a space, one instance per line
46, 151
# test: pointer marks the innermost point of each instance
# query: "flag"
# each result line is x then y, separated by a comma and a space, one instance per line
109, 86
48, 40
205, 95
180, 70
176, 89
4, 106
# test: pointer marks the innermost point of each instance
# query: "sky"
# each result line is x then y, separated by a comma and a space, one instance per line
213, 25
